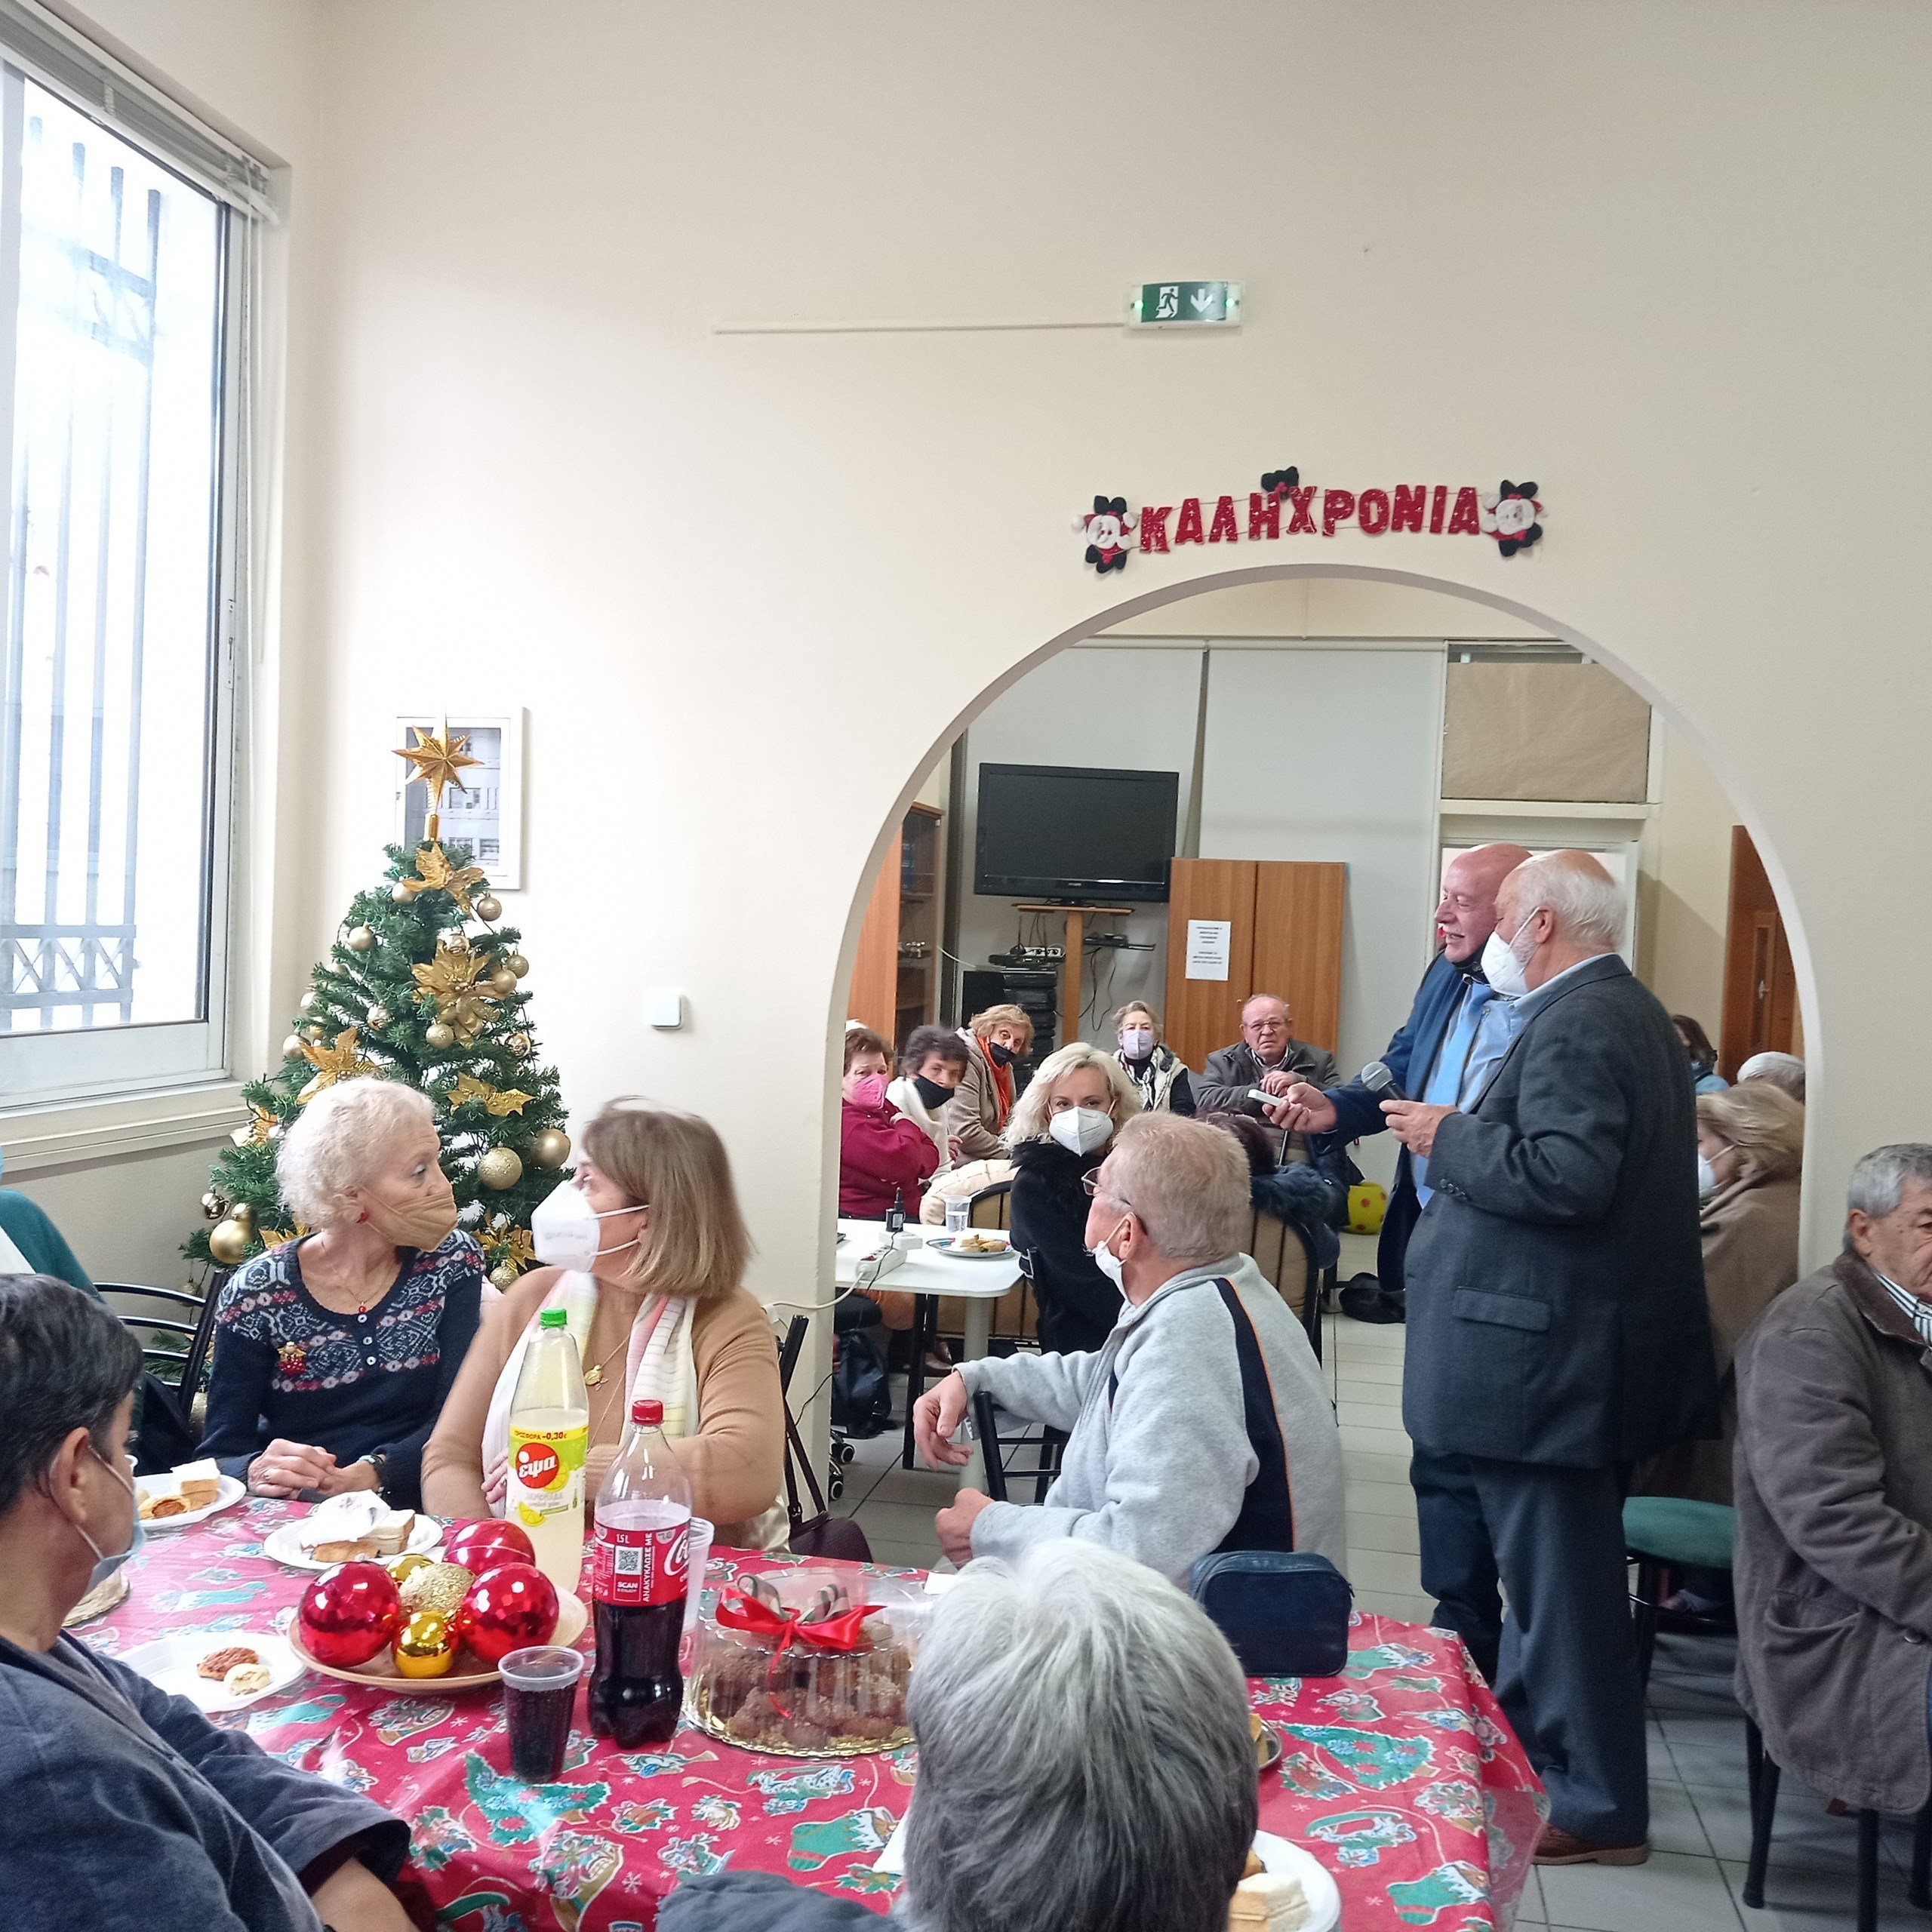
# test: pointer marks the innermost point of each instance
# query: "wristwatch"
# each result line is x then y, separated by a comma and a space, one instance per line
377, 1461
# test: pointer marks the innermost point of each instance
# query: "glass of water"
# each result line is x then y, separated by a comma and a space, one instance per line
959, 1216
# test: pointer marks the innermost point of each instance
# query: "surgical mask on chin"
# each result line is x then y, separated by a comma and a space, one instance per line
564, 1231
1502, 965
1080, 1130
105, 1565
1707, 1182
1107, 1261
1136, 1042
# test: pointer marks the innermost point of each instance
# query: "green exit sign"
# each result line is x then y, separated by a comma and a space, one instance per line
1175, 305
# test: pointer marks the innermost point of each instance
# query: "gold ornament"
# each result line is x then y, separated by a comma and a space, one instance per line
379, 1016
291, 1047
521, 1044
488, 908
343, 1061
425, 1645
503, 982
450, 980
439, 1036
551, 1149
313, 1033
435, 874
500, 1103
499, 1168
517, 964
213, 1206
307, 1003
227, 1241
513, 1248
502, 1274
362, 939
439, 762
405, 1566
404, 890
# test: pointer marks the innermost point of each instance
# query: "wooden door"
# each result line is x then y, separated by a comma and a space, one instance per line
874, 993
1298, 943
1760, 987
1203, 1014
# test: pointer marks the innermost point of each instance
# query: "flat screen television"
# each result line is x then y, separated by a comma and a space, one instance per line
1063, 832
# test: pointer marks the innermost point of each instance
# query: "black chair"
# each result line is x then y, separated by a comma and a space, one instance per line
821, 1533
171, 1375
1000, 1470
1763, 1774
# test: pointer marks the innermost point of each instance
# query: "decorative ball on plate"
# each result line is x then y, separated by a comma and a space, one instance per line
362, 939
441, 1586
551, 1149
425, 1646
487, 907
508, 1608
482, 1545
439, 1036
499, 1168
348, 1613
405, 1566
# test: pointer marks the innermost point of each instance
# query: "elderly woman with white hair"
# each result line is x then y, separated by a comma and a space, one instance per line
1085, 1766
1059, 1133
1202, 1422
332, 1353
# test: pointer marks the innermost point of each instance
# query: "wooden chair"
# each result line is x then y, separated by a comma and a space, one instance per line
1282, 1256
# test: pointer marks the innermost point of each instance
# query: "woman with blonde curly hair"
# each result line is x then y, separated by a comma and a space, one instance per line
1059, 1133
332, 1352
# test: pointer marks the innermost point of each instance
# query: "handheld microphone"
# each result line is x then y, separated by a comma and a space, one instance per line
1381, 1082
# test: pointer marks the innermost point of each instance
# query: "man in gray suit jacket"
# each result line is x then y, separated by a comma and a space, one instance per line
1557, 1329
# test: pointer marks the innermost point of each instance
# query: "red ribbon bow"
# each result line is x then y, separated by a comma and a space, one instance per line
737, 1611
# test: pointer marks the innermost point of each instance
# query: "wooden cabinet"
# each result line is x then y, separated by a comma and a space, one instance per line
895, 978
1285, 918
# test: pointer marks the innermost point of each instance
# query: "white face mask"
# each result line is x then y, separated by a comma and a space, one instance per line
1707, 1182
1080, 1130
563, 1229
105, 1564
1136, 1042
1106, 1260
1502, 964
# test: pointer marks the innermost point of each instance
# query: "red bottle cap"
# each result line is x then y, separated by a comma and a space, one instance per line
650, 1414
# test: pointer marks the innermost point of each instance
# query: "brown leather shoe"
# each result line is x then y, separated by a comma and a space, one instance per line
1558, 1847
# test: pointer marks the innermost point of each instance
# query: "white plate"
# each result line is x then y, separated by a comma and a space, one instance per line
1287, 1860
228, 1493
171, 1661
943, 1244
284, 1545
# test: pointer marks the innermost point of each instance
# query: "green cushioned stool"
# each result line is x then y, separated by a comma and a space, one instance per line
1661, 1532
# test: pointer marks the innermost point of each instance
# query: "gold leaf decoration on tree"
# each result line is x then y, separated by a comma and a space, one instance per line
434, 873
275, 1237
450, 979
513, 1249
499, 1101
343, 1061
262, 1123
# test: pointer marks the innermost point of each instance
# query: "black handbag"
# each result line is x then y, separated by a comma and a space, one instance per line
1284, 1612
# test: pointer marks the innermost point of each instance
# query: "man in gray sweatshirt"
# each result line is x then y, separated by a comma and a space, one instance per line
1202, 1422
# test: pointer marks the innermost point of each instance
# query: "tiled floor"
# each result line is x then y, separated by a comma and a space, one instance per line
1700, 1824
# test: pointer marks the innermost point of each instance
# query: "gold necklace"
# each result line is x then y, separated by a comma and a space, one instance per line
595, 1374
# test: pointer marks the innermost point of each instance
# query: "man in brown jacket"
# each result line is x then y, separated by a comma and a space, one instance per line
1833, 1569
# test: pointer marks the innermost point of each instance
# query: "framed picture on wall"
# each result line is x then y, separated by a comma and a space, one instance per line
487, 817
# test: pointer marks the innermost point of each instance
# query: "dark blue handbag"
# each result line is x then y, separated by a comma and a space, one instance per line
1285, 1612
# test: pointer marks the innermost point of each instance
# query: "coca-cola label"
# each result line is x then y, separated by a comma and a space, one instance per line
645, 1565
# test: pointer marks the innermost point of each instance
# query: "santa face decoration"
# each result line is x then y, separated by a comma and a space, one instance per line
1510, 517
1107, 527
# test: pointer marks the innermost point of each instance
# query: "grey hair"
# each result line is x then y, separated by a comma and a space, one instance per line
1085, 1764
1783, 1071
340, 1139
1585, 902
1878, 1180
1188, 1182
1030, 1117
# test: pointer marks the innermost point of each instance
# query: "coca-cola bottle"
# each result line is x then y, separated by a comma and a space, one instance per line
638, 1577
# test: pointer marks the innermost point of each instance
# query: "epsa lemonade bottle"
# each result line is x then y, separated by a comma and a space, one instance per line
550, 1433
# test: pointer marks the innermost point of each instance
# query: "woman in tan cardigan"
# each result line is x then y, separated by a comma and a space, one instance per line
664, 1298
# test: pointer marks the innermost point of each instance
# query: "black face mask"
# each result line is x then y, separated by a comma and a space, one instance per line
931, 1093
1000, 1056
1471, 968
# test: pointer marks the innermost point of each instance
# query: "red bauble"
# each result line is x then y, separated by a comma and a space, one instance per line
481, 1546
508, 1608
350, 1613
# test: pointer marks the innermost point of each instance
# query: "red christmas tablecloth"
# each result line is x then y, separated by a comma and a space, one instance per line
1400, 1775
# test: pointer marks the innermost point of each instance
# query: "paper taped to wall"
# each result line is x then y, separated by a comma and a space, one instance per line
1209, 943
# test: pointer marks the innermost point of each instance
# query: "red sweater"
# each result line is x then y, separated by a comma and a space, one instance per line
879, 1150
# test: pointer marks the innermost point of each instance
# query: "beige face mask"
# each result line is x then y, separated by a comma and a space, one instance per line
425, 1226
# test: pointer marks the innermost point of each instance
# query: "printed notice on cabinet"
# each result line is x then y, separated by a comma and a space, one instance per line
1209, 943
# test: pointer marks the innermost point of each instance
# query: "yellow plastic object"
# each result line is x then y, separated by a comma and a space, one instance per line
1368, 1201
426, 1647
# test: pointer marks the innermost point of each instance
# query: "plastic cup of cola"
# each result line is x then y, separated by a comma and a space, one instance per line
701, 1534
959, 1216
540, 1690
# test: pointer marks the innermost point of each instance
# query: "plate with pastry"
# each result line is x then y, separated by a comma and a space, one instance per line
219, 1670
974, 1246
1284, 1889
1267, 1743
355, 1524
189, 1494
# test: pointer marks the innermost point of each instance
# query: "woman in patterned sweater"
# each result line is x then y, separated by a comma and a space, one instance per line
332, 1353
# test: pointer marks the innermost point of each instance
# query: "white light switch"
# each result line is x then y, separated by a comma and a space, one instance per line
664, 1006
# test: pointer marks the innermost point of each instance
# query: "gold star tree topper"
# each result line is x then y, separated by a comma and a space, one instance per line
438, 758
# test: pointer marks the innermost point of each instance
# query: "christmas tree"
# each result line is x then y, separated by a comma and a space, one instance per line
410, 992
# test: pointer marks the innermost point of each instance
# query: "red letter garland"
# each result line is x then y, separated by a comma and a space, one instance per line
1372, 512
1337, 507
1154, 528
1408, 506
1438, 497
1301, 521
1188, 530
1264, 515
1224, 530
1464, 519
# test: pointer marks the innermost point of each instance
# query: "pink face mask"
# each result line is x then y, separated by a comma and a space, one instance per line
870, 1091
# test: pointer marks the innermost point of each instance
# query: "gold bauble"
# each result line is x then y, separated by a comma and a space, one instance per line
405, 1566
243, 1213
213, 1206
499, 1168
379, 1017
291, 1047
439, 1036
503, 982
425, 1646
400, 892
551, 1149
227, 1241
521, 1044
307, 1003
362, 939
489, 908
315, 1034
503, 1274
517, 964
